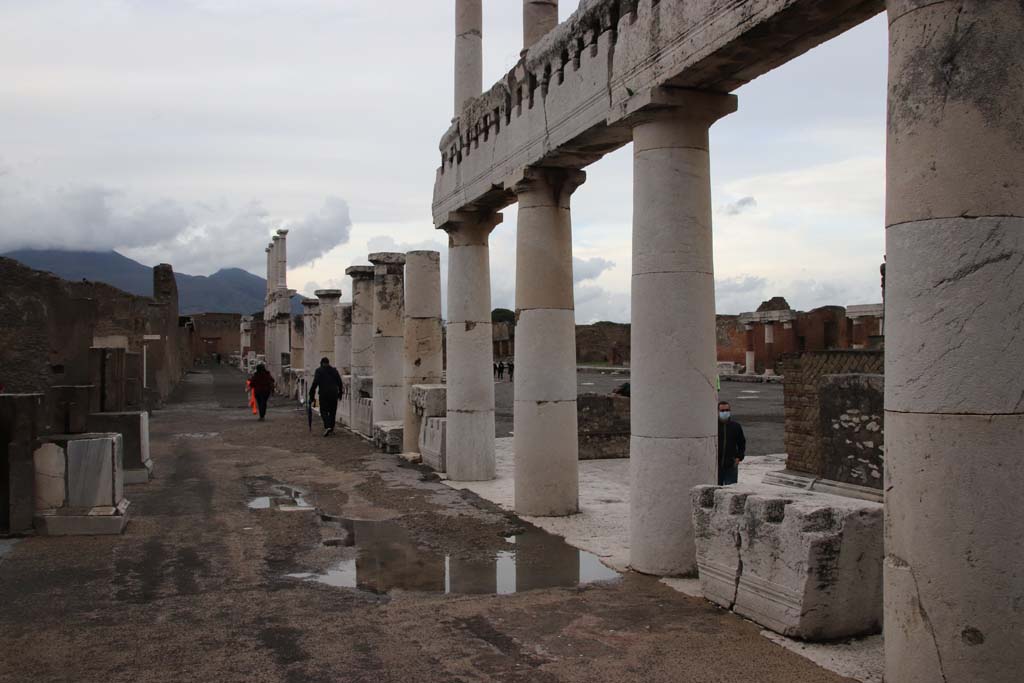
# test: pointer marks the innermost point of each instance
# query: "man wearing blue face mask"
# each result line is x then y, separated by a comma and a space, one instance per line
732, 445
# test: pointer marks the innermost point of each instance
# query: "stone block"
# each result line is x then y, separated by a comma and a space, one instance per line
134, 430
433, 442
93, 474
429, 400
21, 419
50, 477
852, 420
387, 435
363, 417
805, 565
603, 426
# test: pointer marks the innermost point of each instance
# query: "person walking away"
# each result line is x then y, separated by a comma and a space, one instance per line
262, 383
732, 445
501, 370
495, 371
328, 380
511, 370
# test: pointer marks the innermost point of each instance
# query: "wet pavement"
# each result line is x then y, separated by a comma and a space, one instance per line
263, 553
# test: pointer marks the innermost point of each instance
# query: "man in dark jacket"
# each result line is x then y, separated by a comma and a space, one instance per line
732, 445
328, 380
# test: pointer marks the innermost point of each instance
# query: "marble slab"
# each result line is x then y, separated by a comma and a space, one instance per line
91, 472
50, 476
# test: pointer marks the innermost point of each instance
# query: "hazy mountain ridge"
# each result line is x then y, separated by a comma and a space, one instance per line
229, 290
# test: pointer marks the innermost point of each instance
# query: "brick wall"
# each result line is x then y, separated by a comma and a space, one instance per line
803, 372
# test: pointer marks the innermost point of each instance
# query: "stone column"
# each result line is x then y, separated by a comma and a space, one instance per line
282, 259
469, 62
310, 361
751, 358
362, 320
539, 17
270, 272
268, 315
343, 339
769, 347
954, 361
329, 299
470, 455
674, 413
388, 333
423, 354
546, 451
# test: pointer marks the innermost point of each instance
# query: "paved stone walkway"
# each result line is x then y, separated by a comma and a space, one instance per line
224, 574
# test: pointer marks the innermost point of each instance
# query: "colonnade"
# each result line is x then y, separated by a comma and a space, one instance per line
955, 349
277, 306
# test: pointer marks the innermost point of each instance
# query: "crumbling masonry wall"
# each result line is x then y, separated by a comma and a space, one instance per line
803, 373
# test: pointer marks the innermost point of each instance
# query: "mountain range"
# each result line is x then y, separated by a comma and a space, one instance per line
229, 290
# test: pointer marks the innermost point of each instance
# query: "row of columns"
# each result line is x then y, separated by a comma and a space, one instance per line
955, 244
277, 308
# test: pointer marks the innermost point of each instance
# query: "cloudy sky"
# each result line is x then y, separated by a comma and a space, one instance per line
186, 131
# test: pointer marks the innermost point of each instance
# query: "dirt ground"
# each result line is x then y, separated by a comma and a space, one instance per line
198, 587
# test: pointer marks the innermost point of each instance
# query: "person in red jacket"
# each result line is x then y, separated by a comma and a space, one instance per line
262, 383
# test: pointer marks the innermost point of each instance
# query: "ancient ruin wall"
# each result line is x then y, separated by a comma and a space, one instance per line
803, 373
50, 324
603, 342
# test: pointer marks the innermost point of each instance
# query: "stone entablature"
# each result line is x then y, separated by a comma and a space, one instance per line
563, 103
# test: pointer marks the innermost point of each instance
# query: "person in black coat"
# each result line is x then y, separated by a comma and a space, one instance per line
732, 445
328, 381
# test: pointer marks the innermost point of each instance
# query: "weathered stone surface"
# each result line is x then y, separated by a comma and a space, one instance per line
806, 565
69, 407
50, 477
362, 417
852, 414
387, 435
433, 441
21, 419
603, 424
430, 400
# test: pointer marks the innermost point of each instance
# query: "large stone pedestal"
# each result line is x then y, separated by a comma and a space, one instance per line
388, 335
79, 485
806, 565
134, 430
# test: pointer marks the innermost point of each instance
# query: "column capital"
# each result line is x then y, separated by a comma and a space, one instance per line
282, 233
275, 238
562, 181
360, 272
466, 228
390, 258
328, 294
661, 102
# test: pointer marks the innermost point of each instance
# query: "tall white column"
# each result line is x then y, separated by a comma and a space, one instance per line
343, 338
674, 414
282, 259
470, 428
469, 61
388, 331
270, 272
328, 299
539, 17
269, 310
954, 356
423, 356
545, 437
362, 320
310, 316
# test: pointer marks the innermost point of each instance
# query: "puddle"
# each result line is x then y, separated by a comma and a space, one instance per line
285, 498
6, 546
385, 558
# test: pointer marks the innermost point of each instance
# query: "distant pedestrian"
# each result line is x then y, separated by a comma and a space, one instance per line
495, 371
328, 381
732, 445
511, 370
501, 370
262, 384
